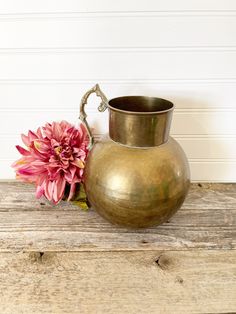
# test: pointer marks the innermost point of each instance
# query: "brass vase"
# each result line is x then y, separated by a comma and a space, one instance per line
138, 176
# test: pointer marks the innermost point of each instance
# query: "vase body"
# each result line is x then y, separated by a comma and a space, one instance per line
137, 176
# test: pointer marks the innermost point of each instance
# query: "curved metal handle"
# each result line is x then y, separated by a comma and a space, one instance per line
102, 107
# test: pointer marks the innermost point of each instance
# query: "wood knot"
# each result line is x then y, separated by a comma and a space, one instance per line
41, 257
163, 262
179, 279
36, 257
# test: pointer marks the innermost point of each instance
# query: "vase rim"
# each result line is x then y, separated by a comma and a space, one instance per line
141, 105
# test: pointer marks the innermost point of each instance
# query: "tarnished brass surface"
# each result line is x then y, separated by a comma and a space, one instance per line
102, 107
137, 176
136, 187
139, 121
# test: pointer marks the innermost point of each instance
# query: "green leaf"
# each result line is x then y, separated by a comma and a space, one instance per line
81, 203
80, 198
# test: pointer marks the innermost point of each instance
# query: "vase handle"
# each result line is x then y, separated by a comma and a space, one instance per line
102, 107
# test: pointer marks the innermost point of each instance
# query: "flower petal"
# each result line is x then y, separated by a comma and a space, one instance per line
25, 139
78, 163
59, 189
22, 151
39, 191
49, 190
32, 136
39, 133
57, 131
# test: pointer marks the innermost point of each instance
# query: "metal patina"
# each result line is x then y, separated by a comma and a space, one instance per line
138, 176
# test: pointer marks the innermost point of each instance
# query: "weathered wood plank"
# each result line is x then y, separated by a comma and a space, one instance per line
50, 260
118, 282
207, 220
21, 196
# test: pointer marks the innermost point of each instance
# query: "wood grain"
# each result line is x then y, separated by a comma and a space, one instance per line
206, 220
63, 260
118, 282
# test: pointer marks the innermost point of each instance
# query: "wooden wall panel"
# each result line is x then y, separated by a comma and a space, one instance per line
51, 53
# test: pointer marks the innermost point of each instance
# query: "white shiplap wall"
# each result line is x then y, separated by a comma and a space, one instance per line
53, 51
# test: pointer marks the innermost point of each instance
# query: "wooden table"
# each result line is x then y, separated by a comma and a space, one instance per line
64, 260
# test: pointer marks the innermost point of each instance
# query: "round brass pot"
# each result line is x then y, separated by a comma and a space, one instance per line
137, 176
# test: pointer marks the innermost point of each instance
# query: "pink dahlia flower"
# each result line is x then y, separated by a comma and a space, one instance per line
55, 157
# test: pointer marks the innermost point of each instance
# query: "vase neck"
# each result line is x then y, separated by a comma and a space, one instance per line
140, 121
